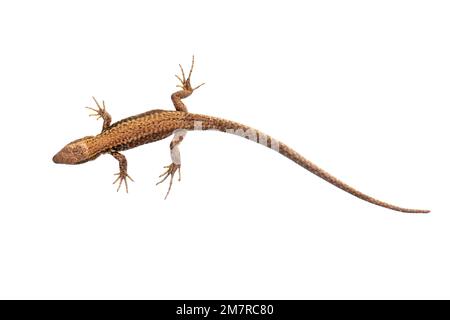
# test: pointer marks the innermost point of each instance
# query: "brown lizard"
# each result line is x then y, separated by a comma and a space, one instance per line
155, 125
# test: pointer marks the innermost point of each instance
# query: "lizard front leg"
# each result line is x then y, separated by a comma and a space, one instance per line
122, 174
101, 112
186, 91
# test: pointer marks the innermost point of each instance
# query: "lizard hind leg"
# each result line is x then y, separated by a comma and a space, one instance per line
177, 97
186, 88
175, 166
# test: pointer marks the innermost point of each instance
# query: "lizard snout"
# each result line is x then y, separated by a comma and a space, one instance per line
60, 158
73, 153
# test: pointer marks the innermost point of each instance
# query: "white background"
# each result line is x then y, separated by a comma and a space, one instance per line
359, 87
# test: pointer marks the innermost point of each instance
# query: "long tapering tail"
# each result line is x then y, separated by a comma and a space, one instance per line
202, 122
308, 165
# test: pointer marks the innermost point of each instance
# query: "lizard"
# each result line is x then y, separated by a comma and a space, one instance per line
158, 124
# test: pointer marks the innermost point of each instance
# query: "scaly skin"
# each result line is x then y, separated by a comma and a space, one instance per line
158, 124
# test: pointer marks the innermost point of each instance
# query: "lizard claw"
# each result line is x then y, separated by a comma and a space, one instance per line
171, 170
122, 177
186, 82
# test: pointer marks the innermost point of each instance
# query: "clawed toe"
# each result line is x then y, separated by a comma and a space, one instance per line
122, 177
100, 112
170, 172
186, 82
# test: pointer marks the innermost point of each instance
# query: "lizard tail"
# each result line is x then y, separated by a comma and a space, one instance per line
235, 128
308, 165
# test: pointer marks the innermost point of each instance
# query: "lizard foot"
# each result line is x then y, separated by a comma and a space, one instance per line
122, 177
100, 112
171, 170
186, 82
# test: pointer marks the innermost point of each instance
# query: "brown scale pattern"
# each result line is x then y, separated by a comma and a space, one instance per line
158, 124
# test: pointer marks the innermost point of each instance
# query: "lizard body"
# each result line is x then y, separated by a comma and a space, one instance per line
155, 125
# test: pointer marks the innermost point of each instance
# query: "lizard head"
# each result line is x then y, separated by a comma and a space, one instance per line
75, 152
